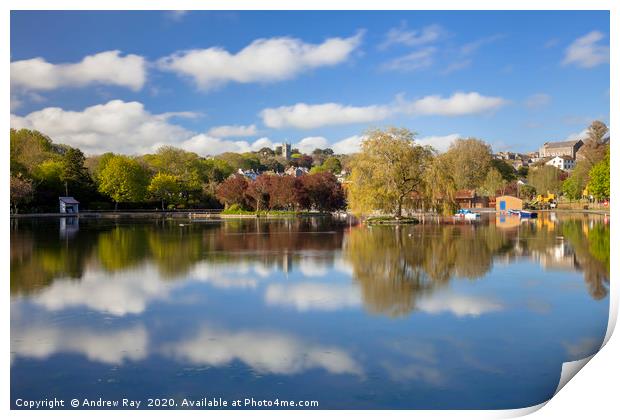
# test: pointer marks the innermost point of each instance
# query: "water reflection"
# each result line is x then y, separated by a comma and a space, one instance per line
362, 317
265, 352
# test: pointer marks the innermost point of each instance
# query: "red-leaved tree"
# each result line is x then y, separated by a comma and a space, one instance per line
321, 191
282, 192
259, 189
233, 191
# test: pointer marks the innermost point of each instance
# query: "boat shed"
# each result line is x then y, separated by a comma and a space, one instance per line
508, 202
69, 205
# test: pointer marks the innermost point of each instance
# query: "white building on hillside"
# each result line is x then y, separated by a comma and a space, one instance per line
565, 163
296, 171
250, 174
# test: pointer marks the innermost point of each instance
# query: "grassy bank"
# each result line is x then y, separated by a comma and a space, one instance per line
391, 220
231, 212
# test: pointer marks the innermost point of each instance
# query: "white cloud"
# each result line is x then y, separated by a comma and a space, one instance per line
440, 143
118, 293
309, 296
107, 67
458, 305
458, 104
130, 291
307, 116
413, 61
110, 347
207, 145
411, 37
538, 100
586, 52
348, 145
312, 267
242, 275
126, 127
264, 60
122, 127
233, 131
308, 144
264, 352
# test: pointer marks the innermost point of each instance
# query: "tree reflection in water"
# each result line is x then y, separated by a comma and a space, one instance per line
394, 266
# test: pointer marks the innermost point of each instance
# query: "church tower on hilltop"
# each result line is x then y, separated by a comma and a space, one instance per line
286, 150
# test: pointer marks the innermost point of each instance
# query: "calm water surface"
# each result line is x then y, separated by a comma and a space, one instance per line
429, 316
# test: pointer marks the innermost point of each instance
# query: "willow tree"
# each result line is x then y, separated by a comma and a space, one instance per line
470, 161
441, 186
388, 172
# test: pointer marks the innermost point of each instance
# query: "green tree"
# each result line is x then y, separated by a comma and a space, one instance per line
387, 172
523, 171
216, 170
527, 191
30, 148
73, 170
189, 169
505, 169
470, 161
599, 179
573, 186
95, 164
245, 161
331, 164
165, 188
545, 178
493, 183
123, 180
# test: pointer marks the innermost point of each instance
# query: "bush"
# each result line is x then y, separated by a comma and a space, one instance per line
236, 209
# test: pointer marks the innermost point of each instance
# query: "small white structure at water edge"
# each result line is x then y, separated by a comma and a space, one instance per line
69, 205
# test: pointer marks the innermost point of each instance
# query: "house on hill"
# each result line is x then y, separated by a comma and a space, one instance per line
565, 163
296, 171
249, 174
560, 148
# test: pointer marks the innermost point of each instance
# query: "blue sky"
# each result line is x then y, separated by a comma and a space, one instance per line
210, 82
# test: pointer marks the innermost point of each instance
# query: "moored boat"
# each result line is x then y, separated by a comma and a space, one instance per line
524, 214
467, 214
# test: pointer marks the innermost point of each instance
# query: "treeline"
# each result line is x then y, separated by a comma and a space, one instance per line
391, 174
42, 170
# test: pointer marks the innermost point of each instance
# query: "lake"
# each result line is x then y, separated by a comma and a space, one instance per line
461, 316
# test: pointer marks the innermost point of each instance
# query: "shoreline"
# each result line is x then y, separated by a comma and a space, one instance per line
215, 215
